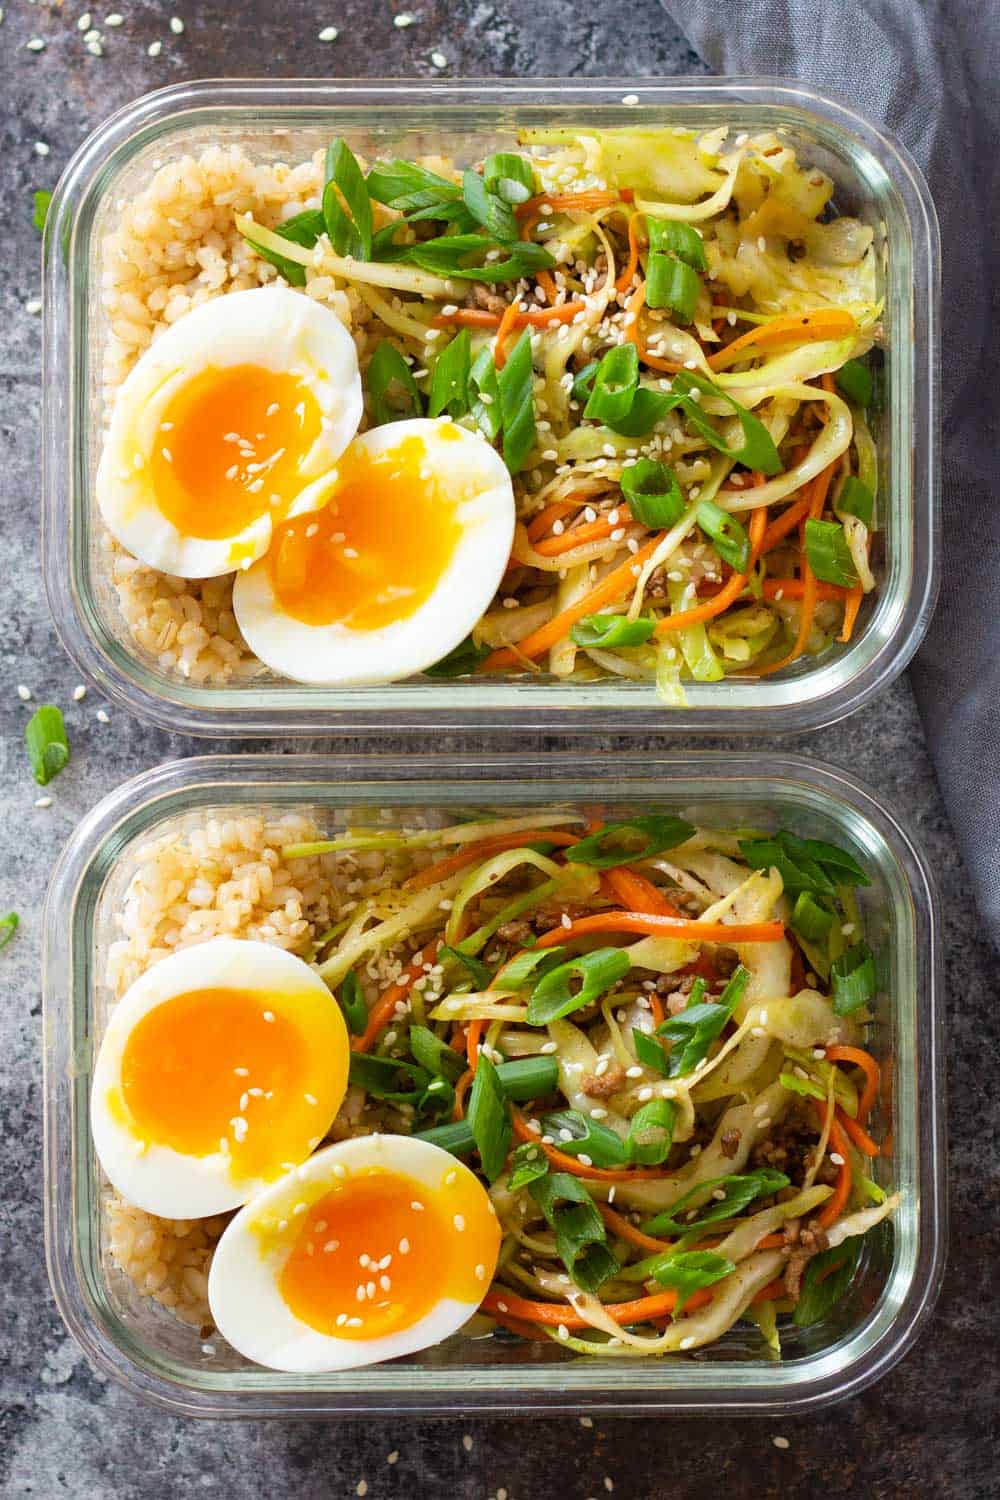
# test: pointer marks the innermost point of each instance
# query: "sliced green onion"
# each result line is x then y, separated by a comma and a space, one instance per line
42, 199
48, 747
607, 848
653, 494
648, 407
730, 537
855, 380
757, 450
575, 1135
510, 176
692, 1032
552, 998
388, 369
690, 1270
828, 553
811, 920
673, 238
437, 1098
304, 229
729, 1197
409, 188
841, 866
488, 209
489, 1118
435, 1055
460, 662
455, 1137
486, 400
514, 383
856, 499
449, 256
8, 926
806, 1086
672, 284
649, 1051
526, 1078
799, 871
528, 966
611, 632
353, 1003
615, 382
579, 1228
854, 979
527, 1165
347, 209
584, 381
450, 378
827, 1277
651, 1132
391, 1078
481, 973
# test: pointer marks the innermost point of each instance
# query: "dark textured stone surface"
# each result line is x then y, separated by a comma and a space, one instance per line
930, 1426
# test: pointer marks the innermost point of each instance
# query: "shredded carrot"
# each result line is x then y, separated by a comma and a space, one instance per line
871, 1070
655, 926
572, 1164
636, 893
786, 522
771, 1292
852, 604
554, 511
381, 1012
545, 203
461, 1089
535, 317
627, 1231
795, 588
641, 1310
624, 280
731, 589
633, 335
505, 327
612, 586
857, 1133
495, 844
834, 1205
578, 536
825, 323
818, 493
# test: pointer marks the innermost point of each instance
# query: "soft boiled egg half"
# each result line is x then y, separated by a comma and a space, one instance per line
222, 1067
230, 423
395, 570
375, 1247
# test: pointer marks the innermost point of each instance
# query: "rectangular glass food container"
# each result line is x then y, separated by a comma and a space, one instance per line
875, 180
154, 1356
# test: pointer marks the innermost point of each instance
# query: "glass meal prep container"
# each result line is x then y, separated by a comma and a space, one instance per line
875, 181
152, 1354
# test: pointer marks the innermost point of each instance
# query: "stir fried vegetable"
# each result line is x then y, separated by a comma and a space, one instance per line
648, 1039
660, 331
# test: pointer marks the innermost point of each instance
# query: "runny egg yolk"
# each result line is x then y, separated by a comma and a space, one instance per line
219, 1065
377, 551
378, 1251
229, 446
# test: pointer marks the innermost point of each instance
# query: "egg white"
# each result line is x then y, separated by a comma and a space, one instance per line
155, 1177
466, 467
246, 1303
274, 328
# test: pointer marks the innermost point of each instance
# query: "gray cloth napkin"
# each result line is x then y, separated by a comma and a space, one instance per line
929, 71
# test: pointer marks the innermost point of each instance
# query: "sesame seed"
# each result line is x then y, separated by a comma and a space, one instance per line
113, 20
644, 1095
23, 692
403, 20
43, 801
41, 149
83, 24
630, 98
35, 45
404, 1246
467, 1443
362, 1487
393, 1457
269, 1015
329, 34
835, 1156
439, 60
34, 306
634, 1071
689, 1342
176, 25
79, 693
781, 1442
353, 1323
102, 716
459, 1222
